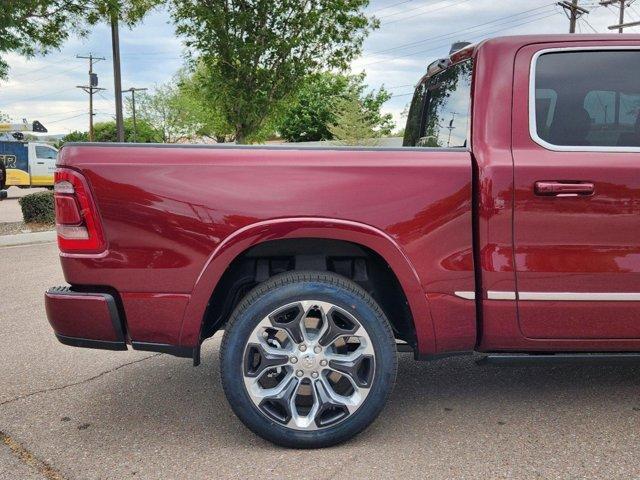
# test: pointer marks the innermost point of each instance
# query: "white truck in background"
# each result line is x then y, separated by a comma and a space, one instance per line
25, 164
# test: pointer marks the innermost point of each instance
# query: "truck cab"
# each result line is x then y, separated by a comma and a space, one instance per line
28, 164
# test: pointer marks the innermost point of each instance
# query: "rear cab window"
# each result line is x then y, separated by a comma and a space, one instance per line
439, 115
586, 99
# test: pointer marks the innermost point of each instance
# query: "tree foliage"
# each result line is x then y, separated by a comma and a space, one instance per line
354, 125
106, 132
310, 115
28, 27
255, 53
183, 111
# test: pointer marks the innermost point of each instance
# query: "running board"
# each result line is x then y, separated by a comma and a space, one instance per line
559, 358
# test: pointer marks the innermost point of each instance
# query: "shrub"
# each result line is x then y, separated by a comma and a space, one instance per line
38, 207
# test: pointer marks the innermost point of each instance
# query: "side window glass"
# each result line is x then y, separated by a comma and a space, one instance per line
448, 108
414, 119
588, 98
546, 101
45, 152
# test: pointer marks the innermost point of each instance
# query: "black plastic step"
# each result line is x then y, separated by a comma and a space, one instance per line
560, 358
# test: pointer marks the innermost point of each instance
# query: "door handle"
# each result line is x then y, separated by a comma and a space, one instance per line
40, 163
564, 189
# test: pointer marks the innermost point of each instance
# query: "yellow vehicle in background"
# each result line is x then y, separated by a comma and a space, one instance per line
28, 164
25, 164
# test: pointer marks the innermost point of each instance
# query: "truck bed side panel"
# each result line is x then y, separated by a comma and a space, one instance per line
165, 210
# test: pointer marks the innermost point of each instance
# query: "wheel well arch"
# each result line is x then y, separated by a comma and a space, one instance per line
362, 235
351, 260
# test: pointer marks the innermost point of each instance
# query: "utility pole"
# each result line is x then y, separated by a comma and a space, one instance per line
622, 5
117, 78
133, 108
574, 13
451, 128
91, 88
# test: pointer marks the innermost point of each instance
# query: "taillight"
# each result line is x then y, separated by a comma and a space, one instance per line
77, 222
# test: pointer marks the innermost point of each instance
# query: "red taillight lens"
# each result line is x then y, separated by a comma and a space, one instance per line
67, 212
77, 221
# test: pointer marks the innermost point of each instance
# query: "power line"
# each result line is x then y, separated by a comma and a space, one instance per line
47, 65
419, 7
402, 95
68, 118
473, 27
390, 6
77, 67
589, 25
455, 4
478, 36
68, 89
399, 86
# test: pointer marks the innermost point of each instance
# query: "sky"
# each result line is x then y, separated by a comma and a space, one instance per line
412, 34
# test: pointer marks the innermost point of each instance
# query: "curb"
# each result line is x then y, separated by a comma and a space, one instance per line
27, 238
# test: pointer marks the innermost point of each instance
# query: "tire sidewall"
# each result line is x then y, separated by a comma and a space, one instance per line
244, 322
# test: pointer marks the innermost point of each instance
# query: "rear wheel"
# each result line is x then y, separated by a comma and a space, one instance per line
308, 359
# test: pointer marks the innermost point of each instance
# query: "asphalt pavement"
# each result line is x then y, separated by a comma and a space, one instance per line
69, 413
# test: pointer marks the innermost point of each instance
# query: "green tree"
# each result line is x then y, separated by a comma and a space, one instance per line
182, 110
310, 115
106, 132
145, 132
255, 53
75, 136
353, 125
28, 27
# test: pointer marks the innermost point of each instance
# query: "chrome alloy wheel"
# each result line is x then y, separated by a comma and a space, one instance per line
308, 365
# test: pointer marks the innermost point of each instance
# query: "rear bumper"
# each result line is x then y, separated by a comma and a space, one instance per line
85, 319
92, 320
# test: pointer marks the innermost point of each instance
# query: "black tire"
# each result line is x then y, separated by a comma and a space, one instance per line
282, 290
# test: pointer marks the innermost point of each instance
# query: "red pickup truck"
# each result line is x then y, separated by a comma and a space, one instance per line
508, 224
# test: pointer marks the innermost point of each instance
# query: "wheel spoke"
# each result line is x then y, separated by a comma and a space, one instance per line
269, 357
289, 319
332, 407
339, 324
358, 369
313, 309
303, 421
276, 402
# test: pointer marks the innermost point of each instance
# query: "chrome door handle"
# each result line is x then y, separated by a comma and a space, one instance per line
564, 189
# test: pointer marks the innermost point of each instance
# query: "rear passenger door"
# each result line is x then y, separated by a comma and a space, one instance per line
576, 148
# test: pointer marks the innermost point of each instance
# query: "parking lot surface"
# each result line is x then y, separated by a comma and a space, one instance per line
68, 413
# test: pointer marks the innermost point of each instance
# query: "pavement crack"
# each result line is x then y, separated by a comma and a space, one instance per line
29, 459
81, 382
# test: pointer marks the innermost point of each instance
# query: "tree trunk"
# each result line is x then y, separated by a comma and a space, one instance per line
241, 137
